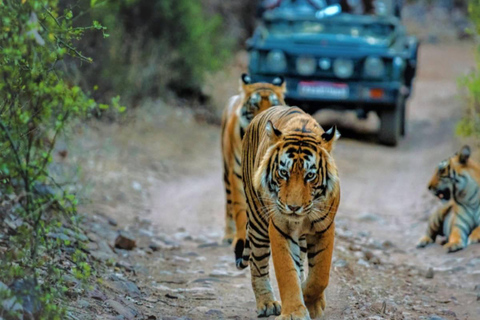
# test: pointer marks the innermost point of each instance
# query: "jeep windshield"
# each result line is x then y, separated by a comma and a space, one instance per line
286, 28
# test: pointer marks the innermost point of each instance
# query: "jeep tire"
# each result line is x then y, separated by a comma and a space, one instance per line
392, 123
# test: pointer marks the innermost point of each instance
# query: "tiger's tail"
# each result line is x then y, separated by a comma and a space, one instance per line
242, 253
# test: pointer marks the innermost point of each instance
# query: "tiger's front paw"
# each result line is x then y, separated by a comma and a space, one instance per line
268, 308
424, 241
316, 308
454, 246
473, 238
299, 314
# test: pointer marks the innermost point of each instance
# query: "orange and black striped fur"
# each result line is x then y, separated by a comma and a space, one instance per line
456, 182
241, 109
292, 190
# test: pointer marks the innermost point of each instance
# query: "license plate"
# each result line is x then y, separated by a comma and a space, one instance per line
320, 89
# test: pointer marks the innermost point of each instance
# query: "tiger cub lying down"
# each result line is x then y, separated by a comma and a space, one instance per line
456, 181
292, 191
241, 109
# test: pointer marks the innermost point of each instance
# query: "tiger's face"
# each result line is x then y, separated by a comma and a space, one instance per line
298, 173
259, 97
446, 179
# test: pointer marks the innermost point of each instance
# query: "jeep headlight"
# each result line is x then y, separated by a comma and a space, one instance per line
374, 67
343, 68
276, 61
306, 65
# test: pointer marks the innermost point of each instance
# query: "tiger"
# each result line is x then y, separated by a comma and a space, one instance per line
239, 112
292, 190
456, 182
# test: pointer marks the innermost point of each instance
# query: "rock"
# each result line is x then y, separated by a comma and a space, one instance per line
60, 236
364, 234
225, 273
449, 313
354, 247
25, 290
97, 295
206, 280
101, 256
183, 235
200, 309
430, 273
369, 217
91, 246
83, 303
387, 244
124, 265
214, 313
125, 241
363, 263
112, 222
12, 306
180, 259
122, 310
371, 257
473, 262
124, 285
208, 245
435, 317
70, 281
145, 233
136, 186
340, 263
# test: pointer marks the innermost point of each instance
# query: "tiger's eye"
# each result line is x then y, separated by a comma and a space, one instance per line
310, 176
283, 173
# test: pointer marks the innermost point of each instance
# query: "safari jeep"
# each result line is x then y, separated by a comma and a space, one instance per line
333, 59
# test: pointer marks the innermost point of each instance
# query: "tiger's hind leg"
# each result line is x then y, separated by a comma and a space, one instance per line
229, 221
239, 208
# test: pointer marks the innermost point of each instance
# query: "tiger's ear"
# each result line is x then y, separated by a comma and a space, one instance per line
464, 154
280, 82
245, 80
329, 137
273, 133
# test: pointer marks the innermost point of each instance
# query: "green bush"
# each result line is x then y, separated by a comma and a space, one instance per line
36, 105
156, 46
469, 125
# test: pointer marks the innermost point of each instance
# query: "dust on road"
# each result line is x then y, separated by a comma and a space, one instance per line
377, 274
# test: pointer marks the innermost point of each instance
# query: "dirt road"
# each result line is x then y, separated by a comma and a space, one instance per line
377, 274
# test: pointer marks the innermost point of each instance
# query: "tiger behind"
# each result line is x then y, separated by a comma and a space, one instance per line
456, 181
241, 109
292, 190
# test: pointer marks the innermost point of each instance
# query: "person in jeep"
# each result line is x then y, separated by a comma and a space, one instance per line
348, 6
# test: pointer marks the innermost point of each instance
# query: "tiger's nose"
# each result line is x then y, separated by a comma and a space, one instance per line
294, 208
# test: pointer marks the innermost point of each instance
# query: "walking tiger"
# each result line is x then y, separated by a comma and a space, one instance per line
293, 192
241, 109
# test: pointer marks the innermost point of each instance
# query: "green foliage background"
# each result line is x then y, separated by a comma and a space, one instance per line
470, 124
37, 103
155, 47
140, 48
